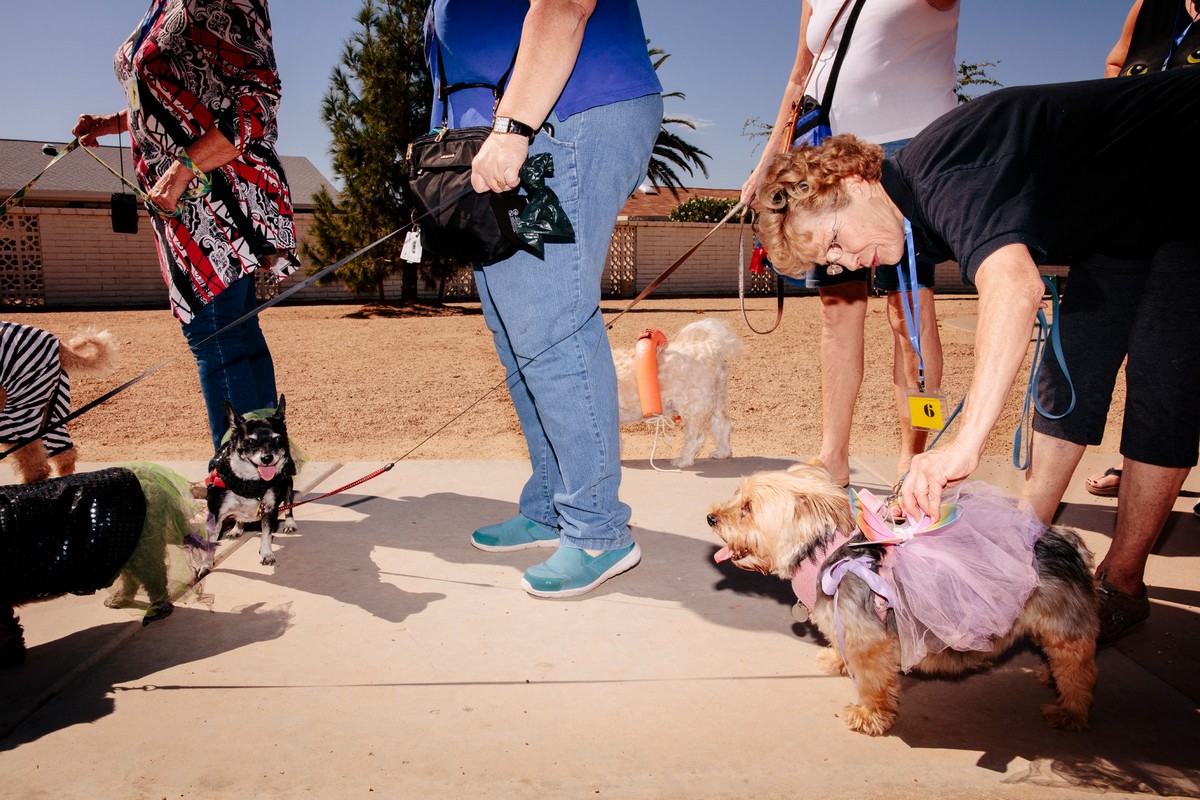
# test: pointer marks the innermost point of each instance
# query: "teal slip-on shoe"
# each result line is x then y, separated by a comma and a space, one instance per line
571, 571
518, 533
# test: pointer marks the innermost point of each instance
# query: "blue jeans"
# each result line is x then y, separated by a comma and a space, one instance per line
545, 319
235, 365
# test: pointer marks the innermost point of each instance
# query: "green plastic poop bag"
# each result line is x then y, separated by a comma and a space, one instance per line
543, 219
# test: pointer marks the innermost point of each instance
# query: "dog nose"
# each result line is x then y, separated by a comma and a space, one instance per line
267, 458
712, 521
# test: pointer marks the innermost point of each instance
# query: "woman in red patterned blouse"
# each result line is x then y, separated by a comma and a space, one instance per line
203, 92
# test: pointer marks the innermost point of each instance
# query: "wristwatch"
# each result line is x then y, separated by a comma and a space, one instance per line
510, 125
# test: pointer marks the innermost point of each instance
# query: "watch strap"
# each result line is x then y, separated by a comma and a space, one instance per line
504, 124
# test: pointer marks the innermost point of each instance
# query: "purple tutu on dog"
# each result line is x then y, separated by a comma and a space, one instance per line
962, 585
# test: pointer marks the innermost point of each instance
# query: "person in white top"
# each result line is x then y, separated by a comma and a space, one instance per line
897, 76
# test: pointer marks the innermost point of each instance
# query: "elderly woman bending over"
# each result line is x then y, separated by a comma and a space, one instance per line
1022, 177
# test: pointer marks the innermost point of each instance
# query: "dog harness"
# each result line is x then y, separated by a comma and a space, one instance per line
68, 535
812, 574
223, 478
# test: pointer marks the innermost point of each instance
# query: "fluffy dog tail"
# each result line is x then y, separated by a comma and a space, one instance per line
90, 353
710, 339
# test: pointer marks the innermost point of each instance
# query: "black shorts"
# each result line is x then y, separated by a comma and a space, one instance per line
1144, 310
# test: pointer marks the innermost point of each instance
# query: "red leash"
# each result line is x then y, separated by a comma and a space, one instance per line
351, 485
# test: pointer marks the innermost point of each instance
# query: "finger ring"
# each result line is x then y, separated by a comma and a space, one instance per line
503, 184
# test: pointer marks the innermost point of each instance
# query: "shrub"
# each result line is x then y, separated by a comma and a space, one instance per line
702, 209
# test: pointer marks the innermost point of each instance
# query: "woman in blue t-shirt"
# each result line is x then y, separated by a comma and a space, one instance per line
582, 89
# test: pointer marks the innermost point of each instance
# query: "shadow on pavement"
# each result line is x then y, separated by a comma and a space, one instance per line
189, 634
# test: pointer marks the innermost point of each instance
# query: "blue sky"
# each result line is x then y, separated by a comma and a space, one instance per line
730, 57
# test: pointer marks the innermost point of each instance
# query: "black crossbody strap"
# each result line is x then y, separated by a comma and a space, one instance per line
827, 99
446, 89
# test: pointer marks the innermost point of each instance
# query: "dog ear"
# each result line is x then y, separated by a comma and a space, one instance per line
279, 408
232, 417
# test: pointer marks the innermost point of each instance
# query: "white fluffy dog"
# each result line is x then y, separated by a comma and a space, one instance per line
693, 377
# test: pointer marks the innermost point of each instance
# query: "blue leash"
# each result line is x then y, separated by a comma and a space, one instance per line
912, 308
1023, 438
1046, 331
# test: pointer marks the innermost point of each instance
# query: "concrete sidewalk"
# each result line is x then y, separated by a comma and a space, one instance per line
386, 657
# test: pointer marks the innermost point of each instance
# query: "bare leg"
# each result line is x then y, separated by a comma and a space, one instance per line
843, 312
1051, 466
1147, 496
905, 367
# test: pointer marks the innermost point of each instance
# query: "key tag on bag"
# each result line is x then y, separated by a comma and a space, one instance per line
411, 252
926, 410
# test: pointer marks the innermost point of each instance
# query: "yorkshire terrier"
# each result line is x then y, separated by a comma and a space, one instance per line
693, 376
798, 524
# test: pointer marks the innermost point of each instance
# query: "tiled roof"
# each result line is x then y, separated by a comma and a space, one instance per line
79, 178
661, 202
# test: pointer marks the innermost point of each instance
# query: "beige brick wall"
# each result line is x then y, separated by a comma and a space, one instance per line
85, 264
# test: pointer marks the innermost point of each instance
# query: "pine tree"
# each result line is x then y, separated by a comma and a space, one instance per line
378, 101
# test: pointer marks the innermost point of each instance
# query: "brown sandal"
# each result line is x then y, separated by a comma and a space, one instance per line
1105, 491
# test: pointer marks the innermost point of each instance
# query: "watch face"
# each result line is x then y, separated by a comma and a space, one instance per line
510, 125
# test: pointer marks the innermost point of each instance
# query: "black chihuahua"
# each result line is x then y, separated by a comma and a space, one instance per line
251, 479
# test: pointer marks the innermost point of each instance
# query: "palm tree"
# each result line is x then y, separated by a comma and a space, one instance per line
670, 150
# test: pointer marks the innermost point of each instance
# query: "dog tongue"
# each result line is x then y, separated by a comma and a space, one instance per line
267, 472
724, 554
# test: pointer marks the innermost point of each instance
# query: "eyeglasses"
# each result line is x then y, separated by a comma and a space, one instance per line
834, 251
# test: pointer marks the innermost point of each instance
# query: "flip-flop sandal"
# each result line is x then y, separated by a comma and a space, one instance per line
816, 462
1106, 491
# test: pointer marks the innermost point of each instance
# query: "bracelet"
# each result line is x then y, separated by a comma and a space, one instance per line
205, 181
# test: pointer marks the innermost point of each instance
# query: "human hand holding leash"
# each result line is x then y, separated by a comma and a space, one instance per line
930, 473
89, 126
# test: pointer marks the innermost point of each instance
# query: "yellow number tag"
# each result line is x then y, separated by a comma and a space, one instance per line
925, 411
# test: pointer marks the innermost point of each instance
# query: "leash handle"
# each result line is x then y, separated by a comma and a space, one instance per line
742, 283
1048, 338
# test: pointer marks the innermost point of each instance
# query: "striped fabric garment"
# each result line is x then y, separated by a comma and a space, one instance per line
37, 387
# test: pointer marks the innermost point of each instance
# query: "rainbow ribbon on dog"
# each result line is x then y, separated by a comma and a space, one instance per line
867, 509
